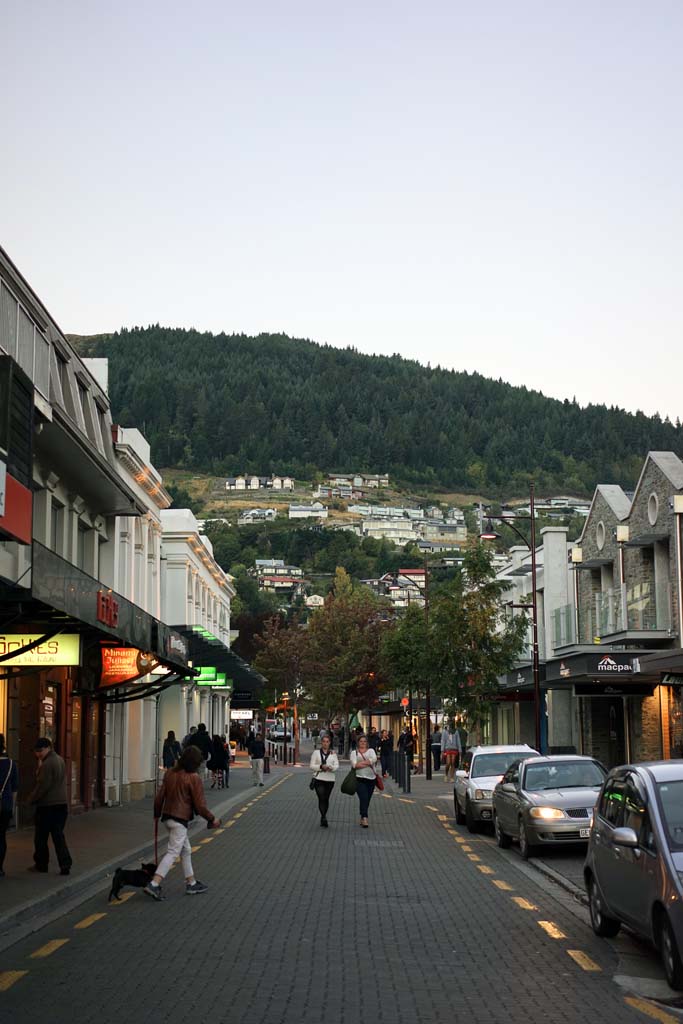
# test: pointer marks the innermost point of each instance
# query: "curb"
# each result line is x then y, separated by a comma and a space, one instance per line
31, 915
564, 883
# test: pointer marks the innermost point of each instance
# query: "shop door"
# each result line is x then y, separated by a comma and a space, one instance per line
29, 731
615, 731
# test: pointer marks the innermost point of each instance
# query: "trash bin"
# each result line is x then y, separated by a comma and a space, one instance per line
266, 765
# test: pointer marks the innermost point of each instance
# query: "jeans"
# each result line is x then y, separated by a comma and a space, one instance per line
178, 846
50, 821
385, 761
324, 792
365, 788
257, 770
436, 754
5, 818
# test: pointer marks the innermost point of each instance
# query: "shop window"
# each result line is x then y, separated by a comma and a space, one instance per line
76, 749
49, 714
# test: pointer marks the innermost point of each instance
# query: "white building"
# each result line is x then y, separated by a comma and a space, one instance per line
314, 511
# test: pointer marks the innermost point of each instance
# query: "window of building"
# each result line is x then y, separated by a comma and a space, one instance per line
80, 549
652, 508
56, 527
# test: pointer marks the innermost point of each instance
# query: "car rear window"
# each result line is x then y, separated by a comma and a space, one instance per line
563, 775
493, 764
671, 802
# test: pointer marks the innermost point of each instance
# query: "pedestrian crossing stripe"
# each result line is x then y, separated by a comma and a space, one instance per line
8, 978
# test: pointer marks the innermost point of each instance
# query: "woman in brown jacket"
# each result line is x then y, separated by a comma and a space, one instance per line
177, 801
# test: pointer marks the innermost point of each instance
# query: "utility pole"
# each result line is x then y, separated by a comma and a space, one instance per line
428, 681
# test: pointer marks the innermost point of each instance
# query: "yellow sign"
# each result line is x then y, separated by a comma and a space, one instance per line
63, 649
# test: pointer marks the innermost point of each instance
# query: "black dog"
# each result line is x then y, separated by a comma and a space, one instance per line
139, 878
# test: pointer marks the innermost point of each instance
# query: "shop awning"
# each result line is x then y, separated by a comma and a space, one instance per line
206, 649
646, 540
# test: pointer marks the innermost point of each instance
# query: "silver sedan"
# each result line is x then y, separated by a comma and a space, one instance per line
546, 801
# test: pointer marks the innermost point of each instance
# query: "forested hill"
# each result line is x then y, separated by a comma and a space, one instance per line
230, 403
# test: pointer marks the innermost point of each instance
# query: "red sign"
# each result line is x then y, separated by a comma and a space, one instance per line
124, 665
107, 609
404, 702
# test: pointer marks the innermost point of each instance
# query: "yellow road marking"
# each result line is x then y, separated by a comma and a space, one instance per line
403, 800
551, 929
524, 904
650, 1010
239, 814
442, 817
499, 884
205, 841
229, 824
122, 899
87, 921
467, 848
485, 870
583, 960
219, 831
386, 796
8, 978
472, 856
48, 948
460, 841
193, 849
430, 808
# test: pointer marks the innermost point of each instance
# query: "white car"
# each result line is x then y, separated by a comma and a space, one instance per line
482, 769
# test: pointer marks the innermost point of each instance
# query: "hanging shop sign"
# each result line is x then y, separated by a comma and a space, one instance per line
63, 649
241, 714
124, 665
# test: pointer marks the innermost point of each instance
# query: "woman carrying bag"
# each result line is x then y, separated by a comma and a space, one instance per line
363, 761
324, 763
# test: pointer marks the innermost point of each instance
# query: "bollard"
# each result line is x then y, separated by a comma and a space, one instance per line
266, 765
406, 788
401, 763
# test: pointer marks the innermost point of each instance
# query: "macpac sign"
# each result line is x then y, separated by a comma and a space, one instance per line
107, 609
612, 666
124, 665
63, 649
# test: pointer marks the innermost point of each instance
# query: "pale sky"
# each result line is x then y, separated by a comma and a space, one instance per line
487, 186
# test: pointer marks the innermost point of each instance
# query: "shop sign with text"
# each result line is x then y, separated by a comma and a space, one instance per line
60, 650
124, 665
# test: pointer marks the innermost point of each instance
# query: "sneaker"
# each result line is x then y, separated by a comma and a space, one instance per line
154, 891
195, 888
323, 823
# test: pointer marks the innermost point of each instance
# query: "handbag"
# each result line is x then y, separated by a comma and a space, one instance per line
379, 782
350, 783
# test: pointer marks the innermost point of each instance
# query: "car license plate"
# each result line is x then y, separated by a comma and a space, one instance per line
585, 833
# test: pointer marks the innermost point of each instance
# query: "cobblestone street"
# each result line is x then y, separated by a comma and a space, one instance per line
408, 921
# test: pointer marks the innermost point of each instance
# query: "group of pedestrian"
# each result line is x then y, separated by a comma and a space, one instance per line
364, 761
49, 800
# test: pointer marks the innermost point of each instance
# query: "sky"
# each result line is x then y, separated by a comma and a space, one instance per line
493, 187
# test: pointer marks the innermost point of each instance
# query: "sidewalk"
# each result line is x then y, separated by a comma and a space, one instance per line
99, 841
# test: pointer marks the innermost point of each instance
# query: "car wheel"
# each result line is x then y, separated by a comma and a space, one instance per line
668, 947
526, 848
459, 816
472, 824
606, 927
502, 838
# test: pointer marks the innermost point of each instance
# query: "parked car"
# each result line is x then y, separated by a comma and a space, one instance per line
634, 866
543, 801
278, 736
482, 767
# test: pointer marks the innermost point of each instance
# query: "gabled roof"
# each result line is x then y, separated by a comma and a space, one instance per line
615, 498
669, 464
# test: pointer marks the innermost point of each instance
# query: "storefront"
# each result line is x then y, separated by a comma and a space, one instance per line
71, 648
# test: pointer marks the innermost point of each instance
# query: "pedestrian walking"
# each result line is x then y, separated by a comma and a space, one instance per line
374, 740
190, 736
324, 763
218, 762
251, 736
386, 752
171, 750
257, 753
436, 748
49, 797
9, 783
451, 750
406, 745
363, 761
179, 798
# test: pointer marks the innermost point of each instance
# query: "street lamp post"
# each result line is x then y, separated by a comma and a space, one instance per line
534, 601
428, 685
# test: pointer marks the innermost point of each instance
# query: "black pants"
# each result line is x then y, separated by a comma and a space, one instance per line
436, 754
385, 761
5, 818
50, 821
324, 792
365, 788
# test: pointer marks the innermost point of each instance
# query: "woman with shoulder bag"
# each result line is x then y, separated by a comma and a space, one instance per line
9, 783
324, 763
363, 761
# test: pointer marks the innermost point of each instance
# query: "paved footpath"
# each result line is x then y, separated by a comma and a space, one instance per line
407, 921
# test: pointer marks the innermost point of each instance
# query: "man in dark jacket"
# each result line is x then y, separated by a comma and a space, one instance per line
257, 754
202, 741
49, 797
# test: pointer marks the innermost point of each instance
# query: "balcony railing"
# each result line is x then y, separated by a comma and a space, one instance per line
564, 626
630, 609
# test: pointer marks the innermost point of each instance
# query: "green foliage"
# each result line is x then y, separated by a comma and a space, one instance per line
405, 651
230, 403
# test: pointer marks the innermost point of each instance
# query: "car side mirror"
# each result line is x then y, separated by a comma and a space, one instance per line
461, 774
625, 837
509, 787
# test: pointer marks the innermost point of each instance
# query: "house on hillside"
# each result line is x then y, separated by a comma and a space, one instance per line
314, 511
